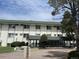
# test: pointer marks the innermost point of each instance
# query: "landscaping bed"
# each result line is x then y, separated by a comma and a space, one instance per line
73, 55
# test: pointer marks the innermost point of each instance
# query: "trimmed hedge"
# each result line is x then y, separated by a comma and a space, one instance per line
22, 43
17, 44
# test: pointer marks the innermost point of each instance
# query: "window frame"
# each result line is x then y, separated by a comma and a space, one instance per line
12, 34
12, 26
48, 27
26, 26
37, 27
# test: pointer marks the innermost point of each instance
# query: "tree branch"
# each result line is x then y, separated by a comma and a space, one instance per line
66, 7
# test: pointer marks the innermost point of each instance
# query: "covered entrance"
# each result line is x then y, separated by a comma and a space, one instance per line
51, 42
55, 42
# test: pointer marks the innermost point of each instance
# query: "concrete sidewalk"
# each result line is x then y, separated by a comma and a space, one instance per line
50, 53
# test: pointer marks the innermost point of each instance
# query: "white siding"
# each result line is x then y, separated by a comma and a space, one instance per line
4, 35
19, 30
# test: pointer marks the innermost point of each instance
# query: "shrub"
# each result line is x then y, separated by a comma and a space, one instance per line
73, 54
26, 44
22, 43
0, 43
9, 44
17, 44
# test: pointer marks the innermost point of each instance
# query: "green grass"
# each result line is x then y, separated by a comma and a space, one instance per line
6, 49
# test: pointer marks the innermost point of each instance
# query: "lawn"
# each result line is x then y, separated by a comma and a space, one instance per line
6, 49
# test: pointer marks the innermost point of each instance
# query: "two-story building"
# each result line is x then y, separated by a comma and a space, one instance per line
16, 30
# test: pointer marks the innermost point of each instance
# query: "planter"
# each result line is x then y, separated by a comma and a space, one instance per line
73, 55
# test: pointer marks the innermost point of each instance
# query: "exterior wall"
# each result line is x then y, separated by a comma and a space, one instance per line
4, 35
19, 31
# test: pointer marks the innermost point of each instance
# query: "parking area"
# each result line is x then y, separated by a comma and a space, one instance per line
48, 53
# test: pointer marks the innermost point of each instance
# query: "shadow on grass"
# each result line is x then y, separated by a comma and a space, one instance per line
51, 54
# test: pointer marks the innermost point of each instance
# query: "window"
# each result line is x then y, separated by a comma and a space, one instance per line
58, 28
37, 26
16, 34
48, 27
21, 34
37, 34
26, 26
48, 34
11, 26
59, 35
25, 35
12, 34
54, 34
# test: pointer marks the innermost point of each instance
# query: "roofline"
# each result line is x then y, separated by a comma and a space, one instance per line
3, 21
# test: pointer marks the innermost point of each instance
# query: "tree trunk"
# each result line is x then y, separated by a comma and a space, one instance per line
77, 36
77, 41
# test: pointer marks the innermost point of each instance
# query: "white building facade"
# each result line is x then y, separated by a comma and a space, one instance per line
16, 30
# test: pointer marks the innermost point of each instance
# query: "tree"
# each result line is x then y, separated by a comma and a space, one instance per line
43, 41
73, 6
67, 24
68, 27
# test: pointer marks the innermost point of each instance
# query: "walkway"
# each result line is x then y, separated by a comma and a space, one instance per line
50, 53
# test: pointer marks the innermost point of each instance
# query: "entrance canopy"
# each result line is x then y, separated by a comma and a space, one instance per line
38, 38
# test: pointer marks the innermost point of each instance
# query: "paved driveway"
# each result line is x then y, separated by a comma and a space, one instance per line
49, 53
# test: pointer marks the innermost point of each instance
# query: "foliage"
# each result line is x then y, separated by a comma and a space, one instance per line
17, 44
43, 41
67, 24
8, 44
73, 7
61, 3
22, 43
73, 54
43, 38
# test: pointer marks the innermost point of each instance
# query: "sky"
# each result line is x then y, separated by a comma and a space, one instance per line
38, 10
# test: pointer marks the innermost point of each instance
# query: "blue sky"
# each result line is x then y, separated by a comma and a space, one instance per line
38, 10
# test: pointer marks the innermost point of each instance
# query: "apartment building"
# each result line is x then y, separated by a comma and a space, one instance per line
17, 30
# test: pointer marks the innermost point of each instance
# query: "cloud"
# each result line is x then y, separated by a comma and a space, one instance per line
26, 9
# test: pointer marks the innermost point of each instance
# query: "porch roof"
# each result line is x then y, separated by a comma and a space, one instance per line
38, 37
